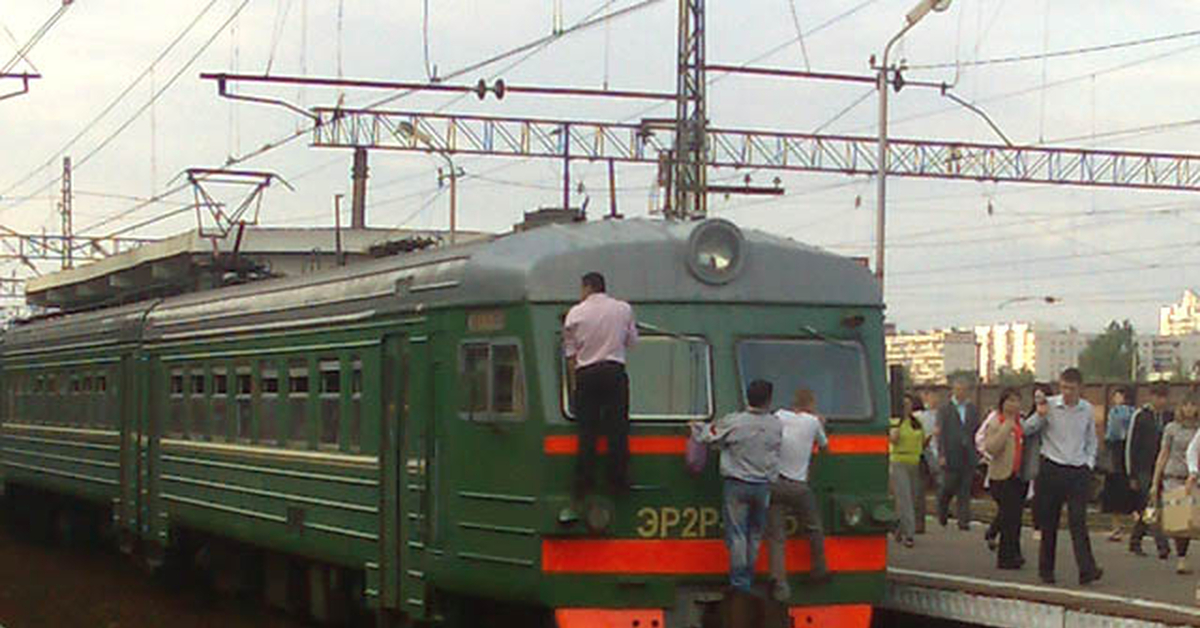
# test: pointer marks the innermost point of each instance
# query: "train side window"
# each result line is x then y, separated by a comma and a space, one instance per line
356, 395
508, 385
89, 407
268, 426
108, 412
492, 381
198, 426
330, 373
175, 404
244, 390
219, 404
297, 402
474, 379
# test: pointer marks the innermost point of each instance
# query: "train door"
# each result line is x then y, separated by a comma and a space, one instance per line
406, 451
124, 394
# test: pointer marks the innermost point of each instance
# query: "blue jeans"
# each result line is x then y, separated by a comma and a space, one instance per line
745, 512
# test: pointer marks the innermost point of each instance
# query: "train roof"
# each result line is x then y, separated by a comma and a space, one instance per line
643, 260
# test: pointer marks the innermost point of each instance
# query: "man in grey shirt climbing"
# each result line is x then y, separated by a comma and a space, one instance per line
749, 442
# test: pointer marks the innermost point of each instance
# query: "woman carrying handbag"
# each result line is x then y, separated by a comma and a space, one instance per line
1004, 442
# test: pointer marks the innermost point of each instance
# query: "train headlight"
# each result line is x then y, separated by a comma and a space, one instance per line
597, 514
853, 515
716, 251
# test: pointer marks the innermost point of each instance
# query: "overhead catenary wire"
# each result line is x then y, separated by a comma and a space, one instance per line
13, 38
1070, 52
23, 51
1052, 84
154, 98
535, 44
799, 33
429, 73
54, 158
271, 146
281, 16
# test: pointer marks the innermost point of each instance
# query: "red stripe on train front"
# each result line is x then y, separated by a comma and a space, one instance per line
568, 445
698, 556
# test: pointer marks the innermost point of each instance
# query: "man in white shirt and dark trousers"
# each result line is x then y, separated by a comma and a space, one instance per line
1066, 423
801, 431
596, 333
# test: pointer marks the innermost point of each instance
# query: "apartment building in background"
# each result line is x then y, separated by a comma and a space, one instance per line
929, 356
1178, 319
1043, 349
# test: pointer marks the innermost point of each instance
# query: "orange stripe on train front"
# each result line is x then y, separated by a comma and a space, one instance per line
841, 615
568, 445
609, 618
698, 556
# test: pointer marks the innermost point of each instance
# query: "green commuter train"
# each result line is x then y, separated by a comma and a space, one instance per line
393, 440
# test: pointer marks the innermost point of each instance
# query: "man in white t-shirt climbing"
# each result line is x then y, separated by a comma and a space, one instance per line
802, 429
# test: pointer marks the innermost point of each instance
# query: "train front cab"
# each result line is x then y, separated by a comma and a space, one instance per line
655, 556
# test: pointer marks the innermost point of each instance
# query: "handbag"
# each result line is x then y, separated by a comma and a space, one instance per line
695, 456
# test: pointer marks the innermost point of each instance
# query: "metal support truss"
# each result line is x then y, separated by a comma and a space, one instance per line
12, 288
689, 176
28, 248
728, 148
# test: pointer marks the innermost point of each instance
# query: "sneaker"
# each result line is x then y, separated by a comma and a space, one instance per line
1115, 536
909, 543
993, 543
1181, 567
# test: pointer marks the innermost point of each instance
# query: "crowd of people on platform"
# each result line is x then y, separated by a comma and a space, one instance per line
1043, 453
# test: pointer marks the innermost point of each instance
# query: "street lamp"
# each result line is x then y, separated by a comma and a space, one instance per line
409, 130
915, 15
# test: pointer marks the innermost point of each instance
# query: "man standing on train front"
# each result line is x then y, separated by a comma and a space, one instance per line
596, 333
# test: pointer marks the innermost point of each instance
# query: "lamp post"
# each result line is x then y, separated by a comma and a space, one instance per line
915, 15
452, 174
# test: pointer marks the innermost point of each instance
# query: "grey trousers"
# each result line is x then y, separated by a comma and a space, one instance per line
797, 498
909, 490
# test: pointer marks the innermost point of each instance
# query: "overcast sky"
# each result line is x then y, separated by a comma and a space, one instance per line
1104, 253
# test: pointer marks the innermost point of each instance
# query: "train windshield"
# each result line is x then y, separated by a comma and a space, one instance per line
836, 372
670, 379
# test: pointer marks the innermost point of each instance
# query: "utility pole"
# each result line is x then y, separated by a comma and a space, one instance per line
64, 209
689, 198
337, 229
358, 203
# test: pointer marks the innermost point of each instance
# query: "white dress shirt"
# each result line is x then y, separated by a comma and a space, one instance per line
800, 431
1068, 432
1193, 455
599, 329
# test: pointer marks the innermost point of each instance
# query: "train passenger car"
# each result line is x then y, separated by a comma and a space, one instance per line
397, 435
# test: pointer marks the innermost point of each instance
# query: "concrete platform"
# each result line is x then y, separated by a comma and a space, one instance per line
952, 575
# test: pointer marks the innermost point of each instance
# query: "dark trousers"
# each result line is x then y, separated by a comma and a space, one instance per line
1010, 501
602, 409
1059, 484
956, 485
1141, 500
